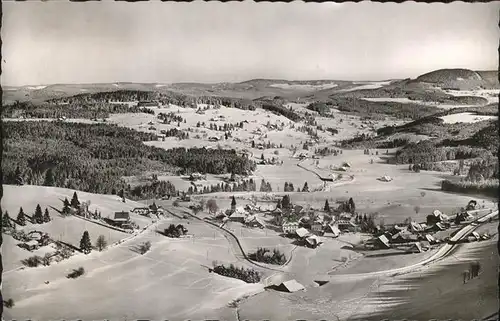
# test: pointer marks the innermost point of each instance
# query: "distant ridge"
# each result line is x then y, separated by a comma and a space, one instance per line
459, 78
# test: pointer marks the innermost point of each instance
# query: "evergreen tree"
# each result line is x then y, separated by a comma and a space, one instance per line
233, 202
19, 176
285, 202
46, 216
66, 202
74, 201
352, 206
263, 185
305, 188
285, 189
49, 178
365, 219
85, 244
21, 217
6, 223
101, 243
38, 216
262, 156
327, 206
278, 205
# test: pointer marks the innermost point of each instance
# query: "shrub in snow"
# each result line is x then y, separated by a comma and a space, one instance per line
76, 273
8, 303
144, 247
33, 261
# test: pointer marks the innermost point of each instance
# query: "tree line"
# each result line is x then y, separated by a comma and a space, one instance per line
73, 110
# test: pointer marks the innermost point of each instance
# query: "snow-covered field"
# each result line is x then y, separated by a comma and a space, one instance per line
465, 118
36, 87
304, 87
490, 94
366, 85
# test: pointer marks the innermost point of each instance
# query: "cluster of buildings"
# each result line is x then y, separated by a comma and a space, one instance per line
35, 240
122, 219
418, 237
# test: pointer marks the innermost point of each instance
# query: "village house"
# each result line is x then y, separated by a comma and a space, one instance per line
331, 230
30, 245
290, 227
254, 221
196, 176
404, 237
383, 242
213, 139
317, 228
121, 219
415, 248
141, 211
345, 225
238, 215
312, 241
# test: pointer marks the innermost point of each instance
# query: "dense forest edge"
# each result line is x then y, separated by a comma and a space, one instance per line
95, 157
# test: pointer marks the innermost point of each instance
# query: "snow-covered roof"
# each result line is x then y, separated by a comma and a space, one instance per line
292, 286
384, 240
335, 230
32, 243
302, 232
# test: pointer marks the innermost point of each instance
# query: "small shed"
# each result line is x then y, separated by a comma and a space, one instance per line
290, 286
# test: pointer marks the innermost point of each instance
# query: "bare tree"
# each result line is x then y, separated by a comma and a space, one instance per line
101, 243
212, 206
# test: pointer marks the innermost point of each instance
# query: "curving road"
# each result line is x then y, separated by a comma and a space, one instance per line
235, 244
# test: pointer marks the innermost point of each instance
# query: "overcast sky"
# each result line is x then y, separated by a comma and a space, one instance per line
63, 42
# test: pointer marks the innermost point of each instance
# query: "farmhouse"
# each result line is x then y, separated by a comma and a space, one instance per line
31, 245
254, 221
213, 139
121, 219
238, 216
